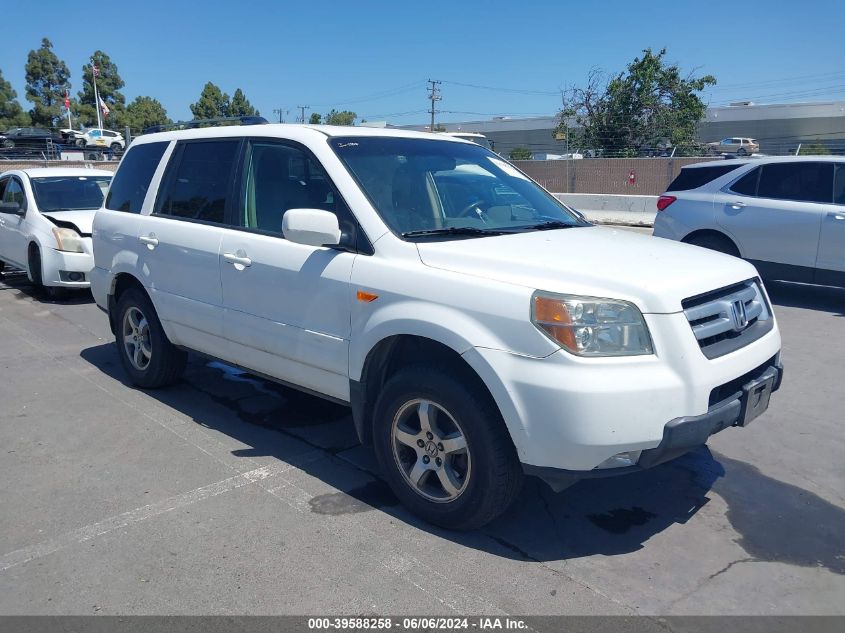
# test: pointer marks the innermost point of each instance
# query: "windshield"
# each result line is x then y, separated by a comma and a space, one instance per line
446, 188
70, 193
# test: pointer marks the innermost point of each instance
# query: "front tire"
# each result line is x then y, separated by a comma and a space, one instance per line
444, 449
37, 277
148, 357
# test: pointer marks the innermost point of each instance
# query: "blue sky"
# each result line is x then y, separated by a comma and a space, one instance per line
375, 57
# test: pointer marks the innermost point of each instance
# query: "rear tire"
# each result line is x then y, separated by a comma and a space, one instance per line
147, 355
715, 243
466, 472
115, 147
741, 152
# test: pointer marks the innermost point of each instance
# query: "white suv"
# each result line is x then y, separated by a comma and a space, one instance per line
785, 215
477, 328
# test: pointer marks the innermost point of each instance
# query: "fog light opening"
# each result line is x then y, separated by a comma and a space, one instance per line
620, 460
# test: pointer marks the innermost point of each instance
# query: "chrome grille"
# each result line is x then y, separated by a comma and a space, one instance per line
727, 319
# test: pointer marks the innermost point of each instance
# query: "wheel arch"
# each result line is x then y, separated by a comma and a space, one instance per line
691, 237
120, 283
391, 354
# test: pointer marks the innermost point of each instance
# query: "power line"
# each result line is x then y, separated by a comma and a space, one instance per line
520, 91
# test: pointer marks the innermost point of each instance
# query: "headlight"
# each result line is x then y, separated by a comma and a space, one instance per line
589, 326
68, 240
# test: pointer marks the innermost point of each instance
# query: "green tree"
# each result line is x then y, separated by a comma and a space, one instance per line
144, 112
520, 153
344, 117
814, 149
11, 112
648, 104
315, 119
109, 84
240, 105
47, 78
213, 103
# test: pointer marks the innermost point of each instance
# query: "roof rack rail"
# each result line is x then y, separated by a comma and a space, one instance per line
223, 120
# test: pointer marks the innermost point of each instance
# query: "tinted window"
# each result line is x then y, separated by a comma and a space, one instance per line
281, 177
695, 177
3, 187
197, 182
747, 185
839, 184
132, 180
806, 182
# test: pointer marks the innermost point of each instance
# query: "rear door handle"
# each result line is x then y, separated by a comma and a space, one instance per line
737, 205
240, 260
836, 215
150, 240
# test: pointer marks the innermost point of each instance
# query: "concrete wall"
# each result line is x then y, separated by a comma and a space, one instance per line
612, 209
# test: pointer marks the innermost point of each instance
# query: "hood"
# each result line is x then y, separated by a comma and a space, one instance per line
81, 221
653, 273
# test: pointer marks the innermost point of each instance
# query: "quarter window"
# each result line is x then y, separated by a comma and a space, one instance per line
132, 180
805, 182
197, 183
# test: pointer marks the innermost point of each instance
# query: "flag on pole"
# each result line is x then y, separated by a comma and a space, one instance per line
104, 107
94, 70
67, 99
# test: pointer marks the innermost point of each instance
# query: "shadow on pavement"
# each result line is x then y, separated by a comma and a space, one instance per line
16, 281
774, 521
794, 295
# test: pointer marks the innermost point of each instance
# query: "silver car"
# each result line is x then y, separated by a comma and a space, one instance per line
785, 215
738, 145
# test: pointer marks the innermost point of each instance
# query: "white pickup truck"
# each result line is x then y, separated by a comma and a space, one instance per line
478, 329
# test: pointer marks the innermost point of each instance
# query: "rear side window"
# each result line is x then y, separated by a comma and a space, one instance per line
132, 180
198, 179
805, 182
747, 185
695, 177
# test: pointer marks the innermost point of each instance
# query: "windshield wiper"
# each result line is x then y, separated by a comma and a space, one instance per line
455, 230
549, 225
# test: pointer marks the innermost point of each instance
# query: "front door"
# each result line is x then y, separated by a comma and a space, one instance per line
287, 306
180, 241
13, 241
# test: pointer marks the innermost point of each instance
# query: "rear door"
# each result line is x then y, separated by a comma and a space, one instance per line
180, 240
774, 212
831, 258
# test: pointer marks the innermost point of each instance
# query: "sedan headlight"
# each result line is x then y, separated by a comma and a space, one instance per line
68, 240
589, 326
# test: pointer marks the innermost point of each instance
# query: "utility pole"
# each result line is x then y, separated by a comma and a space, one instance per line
280, 112
434, 95
302, 109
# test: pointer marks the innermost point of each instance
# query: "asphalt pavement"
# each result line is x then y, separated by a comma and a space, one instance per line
227, 494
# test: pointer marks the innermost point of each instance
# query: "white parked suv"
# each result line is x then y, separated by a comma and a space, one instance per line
785, 215
478, 329
97, 137
45, 223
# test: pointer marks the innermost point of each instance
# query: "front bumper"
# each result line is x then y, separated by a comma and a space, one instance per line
67, 270
679, 435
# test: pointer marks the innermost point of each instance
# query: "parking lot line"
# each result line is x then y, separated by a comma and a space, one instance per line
45, 548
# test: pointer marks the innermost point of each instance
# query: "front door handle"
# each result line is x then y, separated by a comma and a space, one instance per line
737, 205
836, 215
150, 240
239, 259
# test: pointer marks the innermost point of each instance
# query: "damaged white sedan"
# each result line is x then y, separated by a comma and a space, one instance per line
45, 224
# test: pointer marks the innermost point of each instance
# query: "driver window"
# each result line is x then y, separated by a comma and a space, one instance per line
281, 177
14, 193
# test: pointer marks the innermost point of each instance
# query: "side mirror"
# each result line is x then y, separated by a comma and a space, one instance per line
13, 208
313, 227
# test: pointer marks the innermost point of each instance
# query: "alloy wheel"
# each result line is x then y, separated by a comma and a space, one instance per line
136, 338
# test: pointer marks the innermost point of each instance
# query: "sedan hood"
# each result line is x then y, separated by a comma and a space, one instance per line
653, 273
82, 220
